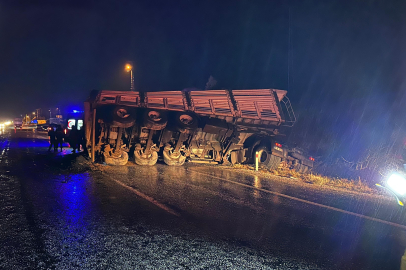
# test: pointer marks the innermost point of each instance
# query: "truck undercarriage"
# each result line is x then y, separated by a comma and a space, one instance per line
212, 126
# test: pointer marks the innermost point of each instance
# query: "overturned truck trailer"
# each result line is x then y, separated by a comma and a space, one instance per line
211, 126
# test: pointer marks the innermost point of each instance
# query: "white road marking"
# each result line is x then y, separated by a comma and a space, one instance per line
306, 201
146, 197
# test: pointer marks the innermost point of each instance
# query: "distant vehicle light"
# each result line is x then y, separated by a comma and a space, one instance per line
397, 184
65, 131
312, 159
278, 144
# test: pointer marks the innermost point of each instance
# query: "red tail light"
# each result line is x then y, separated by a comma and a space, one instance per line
312, 159
278, 144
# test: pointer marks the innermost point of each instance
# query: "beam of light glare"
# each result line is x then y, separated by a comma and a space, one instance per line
397, 184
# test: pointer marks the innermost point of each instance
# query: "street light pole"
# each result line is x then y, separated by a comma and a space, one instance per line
129, 68
132, 80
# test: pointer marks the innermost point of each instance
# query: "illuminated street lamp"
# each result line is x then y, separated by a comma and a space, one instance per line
129, 68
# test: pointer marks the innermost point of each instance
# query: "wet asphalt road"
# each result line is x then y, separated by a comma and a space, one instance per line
58, 211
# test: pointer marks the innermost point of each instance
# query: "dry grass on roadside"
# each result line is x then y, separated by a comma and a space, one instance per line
316, 179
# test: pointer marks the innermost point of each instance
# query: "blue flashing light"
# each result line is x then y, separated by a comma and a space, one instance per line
76, 111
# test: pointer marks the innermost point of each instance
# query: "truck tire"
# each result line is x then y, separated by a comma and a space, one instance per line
155, 119
141, 159
173, 159
305, 169
263, 156
123, 117
186, 121
301, 168
274, 162
266, 159
297, 167
121, 159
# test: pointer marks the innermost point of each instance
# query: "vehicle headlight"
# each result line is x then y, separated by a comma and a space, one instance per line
397, 184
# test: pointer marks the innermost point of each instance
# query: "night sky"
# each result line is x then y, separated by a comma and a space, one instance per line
342, 62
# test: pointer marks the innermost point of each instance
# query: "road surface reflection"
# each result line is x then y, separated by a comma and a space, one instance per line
74, 201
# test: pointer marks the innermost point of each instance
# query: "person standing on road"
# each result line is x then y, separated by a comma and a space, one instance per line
82, 140
59, 138
52, 139
74, 138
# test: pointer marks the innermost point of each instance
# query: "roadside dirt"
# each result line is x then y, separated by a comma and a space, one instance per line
292, 177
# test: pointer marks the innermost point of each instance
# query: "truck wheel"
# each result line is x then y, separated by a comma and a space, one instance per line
274, 162
266, 158
263, 156
155, 120
120, 159
123, 117
142, 159
305, 169
186, 121
301, 168
173, 159
297, 167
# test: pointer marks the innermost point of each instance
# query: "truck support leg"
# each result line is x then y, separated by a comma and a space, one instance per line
149, 142
119, 135
179, 143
